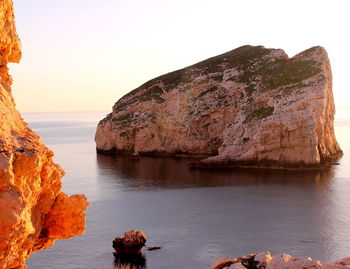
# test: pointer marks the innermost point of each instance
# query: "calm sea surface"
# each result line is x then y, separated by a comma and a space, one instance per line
196, 216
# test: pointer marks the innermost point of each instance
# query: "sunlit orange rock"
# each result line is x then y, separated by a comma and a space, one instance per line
30, 185
251, 106
59, 223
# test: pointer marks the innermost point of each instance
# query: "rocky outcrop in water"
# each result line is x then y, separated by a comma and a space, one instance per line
132, 242
283, 261
33, 210
248, 107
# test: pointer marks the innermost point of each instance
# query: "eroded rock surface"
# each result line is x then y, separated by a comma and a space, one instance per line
250, 106
33, 210
281, 261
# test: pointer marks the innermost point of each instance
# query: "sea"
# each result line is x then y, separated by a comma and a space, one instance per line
196, 216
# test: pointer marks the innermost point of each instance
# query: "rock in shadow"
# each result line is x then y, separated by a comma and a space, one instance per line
131, 243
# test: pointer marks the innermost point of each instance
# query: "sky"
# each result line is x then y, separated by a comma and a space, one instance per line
81, 55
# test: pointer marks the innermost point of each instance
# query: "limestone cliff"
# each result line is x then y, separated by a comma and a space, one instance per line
251, 106
33, 210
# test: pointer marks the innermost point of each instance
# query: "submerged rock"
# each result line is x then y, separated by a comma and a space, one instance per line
132, 242
251, 106
153, 248
33, 210
281, 261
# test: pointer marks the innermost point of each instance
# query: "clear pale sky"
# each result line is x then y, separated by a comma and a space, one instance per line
86, 54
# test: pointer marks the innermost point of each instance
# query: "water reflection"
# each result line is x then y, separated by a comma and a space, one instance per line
153, 172
240, 211
132, 261
197, 216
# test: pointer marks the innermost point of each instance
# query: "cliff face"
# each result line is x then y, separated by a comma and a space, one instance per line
33, 210
250, 106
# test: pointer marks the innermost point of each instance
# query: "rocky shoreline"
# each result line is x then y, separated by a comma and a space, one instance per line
263, 165
264, 260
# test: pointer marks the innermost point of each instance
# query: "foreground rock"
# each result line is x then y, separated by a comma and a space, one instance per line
131, 243
248, 107
282, 261
33, 210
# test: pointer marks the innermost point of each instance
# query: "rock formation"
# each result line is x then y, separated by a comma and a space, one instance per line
282, 261
132, 242
251, 106
33, 210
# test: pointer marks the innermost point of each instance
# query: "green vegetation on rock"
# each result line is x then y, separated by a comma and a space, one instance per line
259, 113
258, 70
289, 72
152, 94
263, 73
124, 121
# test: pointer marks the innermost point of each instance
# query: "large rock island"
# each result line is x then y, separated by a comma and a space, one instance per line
33, 210
251, 106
